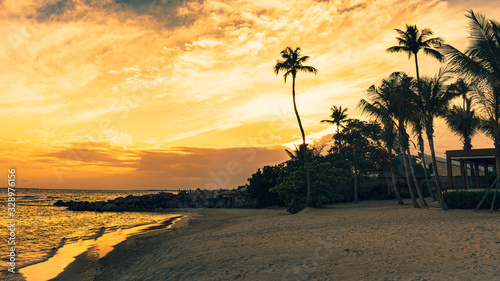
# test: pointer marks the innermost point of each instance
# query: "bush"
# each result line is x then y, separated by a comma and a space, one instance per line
326, 186
469, 199
261, 182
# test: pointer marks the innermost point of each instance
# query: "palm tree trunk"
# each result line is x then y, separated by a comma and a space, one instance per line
355, 186
408, 181
497, 161
429, 131
418, 74
404, 144
433, 196
417, 186
345, 165
304, 146
394, 183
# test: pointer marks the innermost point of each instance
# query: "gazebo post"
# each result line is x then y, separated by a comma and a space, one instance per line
450, 171
476, 168
463, 174
486, 176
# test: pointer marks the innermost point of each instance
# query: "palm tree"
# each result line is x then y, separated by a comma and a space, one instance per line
391, 95
292, 63
338, 116
462, 120
381, 109
434, 101
406, 95
413, 40
480, 64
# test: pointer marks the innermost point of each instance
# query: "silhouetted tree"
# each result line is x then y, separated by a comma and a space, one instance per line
382, 109
412, 40
338, 117
292, 63
480, 65
434, 101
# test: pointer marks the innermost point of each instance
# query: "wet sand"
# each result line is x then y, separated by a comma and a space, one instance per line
78, 258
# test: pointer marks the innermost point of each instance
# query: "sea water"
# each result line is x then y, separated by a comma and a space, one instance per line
42, 229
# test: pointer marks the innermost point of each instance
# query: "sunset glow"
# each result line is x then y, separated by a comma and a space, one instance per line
131, 94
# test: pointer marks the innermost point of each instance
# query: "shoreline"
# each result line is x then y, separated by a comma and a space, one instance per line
97, 247
371, 240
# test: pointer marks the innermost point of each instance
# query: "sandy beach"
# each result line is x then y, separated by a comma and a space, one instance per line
371, 240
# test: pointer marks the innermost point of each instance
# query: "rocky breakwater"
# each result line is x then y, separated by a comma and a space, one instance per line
198, 198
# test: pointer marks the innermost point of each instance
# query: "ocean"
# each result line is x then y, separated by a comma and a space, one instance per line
42, 229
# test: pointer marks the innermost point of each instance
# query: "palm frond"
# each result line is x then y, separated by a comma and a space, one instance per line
435, 54
307, 69
397, 49
464, 66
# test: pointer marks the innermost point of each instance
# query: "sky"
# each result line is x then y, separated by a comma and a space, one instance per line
157, 94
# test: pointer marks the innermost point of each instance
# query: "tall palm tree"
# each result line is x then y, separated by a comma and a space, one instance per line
338, 116
381, 108
480, 64
433, 102
412, 40
292, 63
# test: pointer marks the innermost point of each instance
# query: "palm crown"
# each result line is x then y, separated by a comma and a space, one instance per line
481, 61
413, 40
292, 63
338, 116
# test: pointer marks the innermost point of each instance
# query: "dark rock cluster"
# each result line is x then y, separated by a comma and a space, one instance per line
164, 200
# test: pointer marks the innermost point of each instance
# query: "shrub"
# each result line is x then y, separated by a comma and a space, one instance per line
469, 199
326, 186
261, 182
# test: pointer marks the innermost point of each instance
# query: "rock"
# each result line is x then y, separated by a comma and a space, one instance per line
59, 203
198, 193
119, 200
171, 204
109, 207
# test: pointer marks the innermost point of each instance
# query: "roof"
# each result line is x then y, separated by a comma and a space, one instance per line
482, 156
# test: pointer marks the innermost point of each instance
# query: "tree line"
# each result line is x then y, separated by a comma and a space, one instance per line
398, 104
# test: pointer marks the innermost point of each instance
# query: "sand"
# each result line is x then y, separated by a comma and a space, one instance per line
371, 240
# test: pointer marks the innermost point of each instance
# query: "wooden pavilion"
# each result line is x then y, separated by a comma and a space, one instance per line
483, 157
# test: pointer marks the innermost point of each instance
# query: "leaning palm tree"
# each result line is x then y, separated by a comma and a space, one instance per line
433, 102
406, 95
391, 93
412, 40
292, 63
338, 117
480, 64
381, 108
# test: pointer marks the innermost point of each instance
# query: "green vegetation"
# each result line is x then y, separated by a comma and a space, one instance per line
326, 186
468, 199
